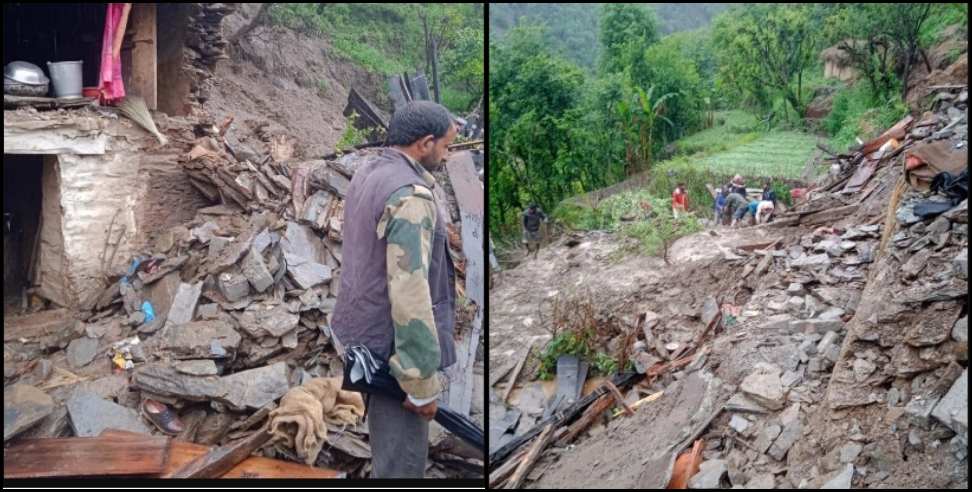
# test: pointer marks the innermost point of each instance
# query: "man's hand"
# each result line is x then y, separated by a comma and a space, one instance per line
426, 411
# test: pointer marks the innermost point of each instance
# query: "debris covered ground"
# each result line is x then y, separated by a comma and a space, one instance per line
222, 309
825, 349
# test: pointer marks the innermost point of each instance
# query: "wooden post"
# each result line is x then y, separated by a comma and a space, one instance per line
144, 53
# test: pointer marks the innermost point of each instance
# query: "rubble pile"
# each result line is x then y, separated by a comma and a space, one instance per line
838, 340
223, 316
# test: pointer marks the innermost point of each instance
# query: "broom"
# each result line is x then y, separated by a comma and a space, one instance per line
135, 109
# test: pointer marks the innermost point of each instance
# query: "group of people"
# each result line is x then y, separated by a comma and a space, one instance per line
731, 201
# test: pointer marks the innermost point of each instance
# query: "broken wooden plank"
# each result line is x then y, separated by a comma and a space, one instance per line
618, 397
133, 454
590, 415
516, 373
182, 452
531, 457
639, 403
45, 102
503, 472
498, 457
222, 459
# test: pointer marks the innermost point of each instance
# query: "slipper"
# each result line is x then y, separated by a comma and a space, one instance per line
165, 419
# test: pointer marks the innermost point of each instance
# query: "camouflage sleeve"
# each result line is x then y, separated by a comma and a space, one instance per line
407, 224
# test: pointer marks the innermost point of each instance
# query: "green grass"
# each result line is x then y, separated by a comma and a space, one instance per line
855, 113
731, 128
778, 154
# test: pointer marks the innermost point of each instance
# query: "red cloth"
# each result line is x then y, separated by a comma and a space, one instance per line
679, 200
110, 76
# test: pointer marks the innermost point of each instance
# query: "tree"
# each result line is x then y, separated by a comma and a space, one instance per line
624, 25
763, 50
640, 119
882, 41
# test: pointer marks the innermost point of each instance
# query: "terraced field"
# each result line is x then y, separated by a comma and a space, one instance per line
781, 154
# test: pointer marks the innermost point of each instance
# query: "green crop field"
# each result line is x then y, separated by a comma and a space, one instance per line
776, 154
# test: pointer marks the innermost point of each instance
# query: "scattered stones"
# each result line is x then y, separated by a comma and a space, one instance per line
960, 264
306, 273
742, 403
91, 414
765, 388
23, 406
81, 351
709, 475
829, 339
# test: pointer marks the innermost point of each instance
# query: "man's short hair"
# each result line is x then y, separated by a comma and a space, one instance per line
416, 120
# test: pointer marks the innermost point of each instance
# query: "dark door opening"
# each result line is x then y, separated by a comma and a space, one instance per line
21, 224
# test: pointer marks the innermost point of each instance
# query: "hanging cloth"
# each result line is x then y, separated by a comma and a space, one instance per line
110, 84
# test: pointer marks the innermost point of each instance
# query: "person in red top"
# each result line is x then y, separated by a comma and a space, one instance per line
679, 200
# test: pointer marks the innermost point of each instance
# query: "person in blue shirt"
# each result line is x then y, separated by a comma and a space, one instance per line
720, 204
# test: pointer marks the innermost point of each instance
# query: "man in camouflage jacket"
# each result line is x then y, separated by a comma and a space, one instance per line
397, 292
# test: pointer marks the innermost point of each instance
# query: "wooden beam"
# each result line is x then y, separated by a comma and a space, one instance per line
531, 457
617, 396
145, 53
182, 452
222, 459
587, 419
503, 472
133, 454
516, 372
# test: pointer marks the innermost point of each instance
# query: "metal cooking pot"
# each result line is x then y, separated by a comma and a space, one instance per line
25, 73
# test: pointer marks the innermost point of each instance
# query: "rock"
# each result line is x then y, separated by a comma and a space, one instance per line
952, 409
709, 475
842, 480
939, 225
205, 232
906, 214
794, 304
91, 414
829, 339
81, 351
306, 273
816, 325
216, 244
849, 452
233, 286
811, 261
960, 331
742, 403
959, 213
790, 378
920, 409
862, 369
255, 388
184, 304
960, 264
792, 430
916, 263
738, 423
289, 340
710, 309
204, 367
815, 365
260, 320
23, 406
208, 311
193, 340
832, 314
255, 270
762, 481
766, 437
765, 388
795, 289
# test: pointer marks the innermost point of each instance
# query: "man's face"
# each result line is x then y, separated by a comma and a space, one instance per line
434, 151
